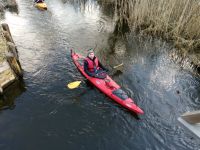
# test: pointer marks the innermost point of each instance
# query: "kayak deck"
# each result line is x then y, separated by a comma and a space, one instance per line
107, 86
42, 6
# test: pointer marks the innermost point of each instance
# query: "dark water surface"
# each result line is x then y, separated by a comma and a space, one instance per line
48, 116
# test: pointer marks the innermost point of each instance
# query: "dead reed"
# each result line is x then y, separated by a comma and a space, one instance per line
174, 20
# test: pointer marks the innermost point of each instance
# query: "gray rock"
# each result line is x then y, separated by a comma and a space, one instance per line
11, 5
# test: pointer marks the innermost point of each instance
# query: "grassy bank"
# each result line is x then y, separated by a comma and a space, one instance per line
173, 20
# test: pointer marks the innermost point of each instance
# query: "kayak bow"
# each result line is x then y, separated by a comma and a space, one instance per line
41, 6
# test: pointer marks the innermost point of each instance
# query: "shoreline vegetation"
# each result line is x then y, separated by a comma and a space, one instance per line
175, 21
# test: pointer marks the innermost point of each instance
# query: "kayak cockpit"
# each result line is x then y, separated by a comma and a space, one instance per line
120, 93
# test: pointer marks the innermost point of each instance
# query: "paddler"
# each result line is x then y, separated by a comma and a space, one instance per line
93, 67
38, 1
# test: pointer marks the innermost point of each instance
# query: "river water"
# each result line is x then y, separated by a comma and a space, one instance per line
43, 114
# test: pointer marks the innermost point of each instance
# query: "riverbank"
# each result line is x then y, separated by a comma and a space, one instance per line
10, 68
176, 22
11, 5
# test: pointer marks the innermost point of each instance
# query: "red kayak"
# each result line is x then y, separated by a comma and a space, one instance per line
107, 86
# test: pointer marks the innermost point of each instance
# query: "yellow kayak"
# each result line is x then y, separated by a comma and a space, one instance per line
41, 5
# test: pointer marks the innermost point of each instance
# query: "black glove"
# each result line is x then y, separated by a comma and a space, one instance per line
101, 75
93, 75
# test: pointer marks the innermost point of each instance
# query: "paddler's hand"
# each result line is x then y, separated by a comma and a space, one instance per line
96, 75
93, 75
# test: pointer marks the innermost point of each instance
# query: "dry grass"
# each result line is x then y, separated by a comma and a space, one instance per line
175, 20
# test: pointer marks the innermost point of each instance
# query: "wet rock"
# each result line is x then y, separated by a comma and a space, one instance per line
12, 50
7, 76
7, 36
10, 68
15, 66
11, 5
6, 30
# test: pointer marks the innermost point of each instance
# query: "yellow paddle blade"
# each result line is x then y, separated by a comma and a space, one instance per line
41, 5
74, 84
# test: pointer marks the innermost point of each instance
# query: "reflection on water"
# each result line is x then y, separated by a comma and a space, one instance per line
7, 100
50, 116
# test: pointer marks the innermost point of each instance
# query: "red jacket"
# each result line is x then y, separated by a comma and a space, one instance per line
92, 65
